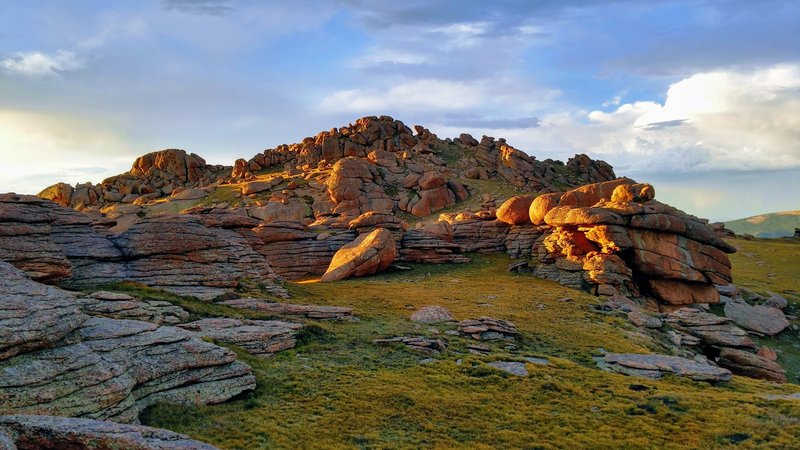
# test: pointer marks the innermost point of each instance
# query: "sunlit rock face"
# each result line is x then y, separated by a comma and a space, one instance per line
614, 237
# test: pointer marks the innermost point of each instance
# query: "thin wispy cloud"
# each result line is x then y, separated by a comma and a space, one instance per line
202, 7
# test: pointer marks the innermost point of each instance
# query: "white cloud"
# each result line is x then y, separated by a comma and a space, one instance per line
39, 64
720, 120
462, 35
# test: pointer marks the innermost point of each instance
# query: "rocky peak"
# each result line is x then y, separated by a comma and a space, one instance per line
170, 164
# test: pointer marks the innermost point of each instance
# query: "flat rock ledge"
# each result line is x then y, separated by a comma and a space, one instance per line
122, 306
50, 432
287, 309
257, 337
656, 366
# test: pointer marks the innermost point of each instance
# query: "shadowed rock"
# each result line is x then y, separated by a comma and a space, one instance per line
48, 432
66, 363
287, 309
178, 253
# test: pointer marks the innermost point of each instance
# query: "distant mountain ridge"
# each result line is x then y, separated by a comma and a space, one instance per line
770, 225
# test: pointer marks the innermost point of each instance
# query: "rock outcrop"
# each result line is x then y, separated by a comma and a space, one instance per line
368, 254
58, 361
613, 237
178, 253
49, 432
379, 164
153, 175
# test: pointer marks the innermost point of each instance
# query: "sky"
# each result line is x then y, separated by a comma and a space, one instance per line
699, 98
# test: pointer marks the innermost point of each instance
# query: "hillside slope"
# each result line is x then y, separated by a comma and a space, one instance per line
769, 225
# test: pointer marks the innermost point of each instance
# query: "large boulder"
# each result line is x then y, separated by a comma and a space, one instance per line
186, 167
368, 254
515, 211
60, 193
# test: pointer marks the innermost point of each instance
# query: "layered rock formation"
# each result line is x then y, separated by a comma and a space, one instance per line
257, 337
47, 432
179, 253
56, 360
723, 342
613, 237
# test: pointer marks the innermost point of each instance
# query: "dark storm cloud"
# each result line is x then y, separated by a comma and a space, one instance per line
665, 124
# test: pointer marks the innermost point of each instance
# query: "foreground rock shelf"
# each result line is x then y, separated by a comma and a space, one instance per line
48, 432
56, 360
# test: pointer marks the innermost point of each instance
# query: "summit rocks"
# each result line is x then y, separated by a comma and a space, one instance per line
152, 175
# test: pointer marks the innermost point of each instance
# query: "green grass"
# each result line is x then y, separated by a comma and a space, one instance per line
451, 153
339, 390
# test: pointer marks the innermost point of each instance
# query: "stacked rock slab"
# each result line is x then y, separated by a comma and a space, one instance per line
613, 237
55, 360
58, 245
